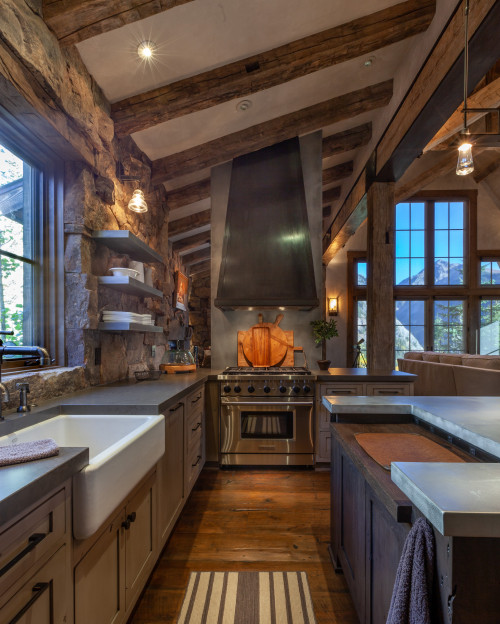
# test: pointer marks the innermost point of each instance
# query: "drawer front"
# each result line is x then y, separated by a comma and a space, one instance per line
342, 389
194, 427
194, 464
387, 389
30, 538
195, 400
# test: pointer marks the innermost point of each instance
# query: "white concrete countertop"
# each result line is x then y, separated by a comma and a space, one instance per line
459, 499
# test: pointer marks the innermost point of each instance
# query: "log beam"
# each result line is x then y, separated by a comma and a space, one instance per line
181, 226
339, 172
191, 242
274, 131
331, 195
274, 67
188, 194
196, 256
76, 20
347, 140
200, 267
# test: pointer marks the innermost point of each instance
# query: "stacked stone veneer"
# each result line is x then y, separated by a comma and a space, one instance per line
94, 199
199, 309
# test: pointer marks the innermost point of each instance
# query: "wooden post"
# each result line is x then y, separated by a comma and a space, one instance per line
380, 300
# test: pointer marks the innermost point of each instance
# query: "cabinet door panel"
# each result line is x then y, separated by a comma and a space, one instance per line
99, 595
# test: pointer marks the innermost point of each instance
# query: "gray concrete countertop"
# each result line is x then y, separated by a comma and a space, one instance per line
23, 484
362, 375
459, 499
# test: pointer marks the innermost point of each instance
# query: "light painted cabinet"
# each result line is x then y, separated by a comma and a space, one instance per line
348, 388
194, 437
112, 572
35, 574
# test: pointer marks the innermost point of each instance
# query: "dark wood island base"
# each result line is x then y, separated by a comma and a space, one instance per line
370, 519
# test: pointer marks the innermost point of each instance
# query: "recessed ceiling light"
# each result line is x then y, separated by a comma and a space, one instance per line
146, 50
244, 105
369, 61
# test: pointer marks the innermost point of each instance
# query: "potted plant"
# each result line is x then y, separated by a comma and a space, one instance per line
322, 331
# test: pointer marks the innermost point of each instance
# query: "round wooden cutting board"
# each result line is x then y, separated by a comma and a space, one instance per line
265, 344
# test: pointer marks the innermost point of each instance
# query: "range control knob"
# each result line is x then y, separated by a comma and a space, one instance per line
227, 388
306, 389
251, 388
237, 389
267, 389
282, 389
296, 389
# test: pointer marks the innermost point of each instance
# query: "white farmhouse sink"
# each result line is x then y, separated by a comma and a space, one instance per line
122, 449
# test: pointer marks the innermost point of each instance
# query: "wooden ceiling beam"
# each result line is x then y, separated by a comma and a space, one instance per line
274, 131
196, 256
347, 140
186, 224
192, 242
338, 172
200, 267
76, 20
188, 194
274, 67
330, 195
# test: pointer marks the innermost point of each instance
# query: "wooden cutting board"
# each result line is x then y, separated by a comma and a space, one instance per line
265, 344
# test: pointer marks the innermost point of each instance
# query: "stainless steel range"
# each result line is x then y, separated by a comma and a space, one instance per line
266, 416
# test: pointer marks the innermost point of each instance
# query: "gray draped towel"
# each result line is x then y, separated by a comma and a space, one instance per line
411, 601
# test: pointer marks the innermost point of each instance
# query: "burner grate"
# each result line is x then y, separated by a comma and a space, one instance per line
267, 370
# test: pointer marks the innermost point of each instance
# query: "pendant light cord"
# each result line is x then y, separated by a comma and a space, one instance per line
466, 60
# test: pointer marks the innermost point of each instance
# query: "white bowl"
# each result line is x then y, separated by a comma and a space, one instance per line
124, 272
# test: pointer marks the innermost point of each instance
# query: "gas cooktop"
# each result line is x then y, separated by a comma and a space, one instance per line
266, 370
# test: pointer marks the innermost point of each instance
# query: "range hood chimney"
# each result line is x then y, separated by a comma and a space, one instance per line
267, 260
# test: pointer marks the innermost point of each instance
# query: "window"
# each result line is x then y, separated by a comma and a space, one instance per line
359, 358
361, 273
410, 243
490, 271
31, 243
449, 326
410, 326
489, 333
448, 243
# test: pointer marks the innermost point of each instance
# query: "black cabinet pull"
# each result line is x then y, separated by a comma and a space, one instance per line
174, 409
130, 518
39, 588
196, 400
196, 462
198, 425
33, 541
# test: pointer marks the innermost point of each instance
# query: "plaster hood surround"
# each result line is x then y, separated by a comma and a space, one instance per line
267, 260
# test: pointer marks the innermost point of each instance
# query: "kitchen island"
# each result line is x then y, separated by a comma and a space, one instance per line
373, 509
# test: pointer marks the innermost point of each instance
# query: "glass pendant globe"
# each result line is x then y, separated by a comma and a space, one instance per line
137, 203
465, 163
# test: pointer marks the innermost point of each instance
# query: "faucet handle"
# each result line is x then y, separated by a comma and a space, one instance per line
24, 389
23, 386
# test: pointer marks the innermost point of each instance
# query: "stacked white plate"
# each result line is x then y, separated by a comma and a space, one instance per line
118, 316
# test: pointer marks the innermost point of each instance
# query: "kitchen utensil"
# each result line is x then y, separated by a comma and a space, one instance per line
124, 272
265, 344
177, 361
139, 267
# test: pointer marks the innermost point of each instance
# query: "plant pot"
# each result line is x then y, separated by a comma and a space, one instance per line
324, 364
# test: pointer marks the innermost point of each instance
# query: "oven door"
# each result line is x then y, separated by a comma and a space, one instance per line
249, 426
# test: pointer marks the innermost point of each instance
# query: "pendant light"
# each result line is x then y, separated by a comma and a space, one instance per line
137, 203
465, 162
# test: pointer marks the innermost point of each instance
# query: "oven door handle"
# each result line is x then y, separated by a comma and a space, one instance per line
225, 401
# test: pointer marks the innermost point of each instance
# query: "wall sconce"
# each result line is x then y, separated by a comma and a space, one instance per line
138, 203
333, 306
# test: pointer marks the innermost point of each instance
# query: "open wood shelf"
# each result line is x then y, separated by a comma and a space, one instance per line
124, 242
137, 327
130, 286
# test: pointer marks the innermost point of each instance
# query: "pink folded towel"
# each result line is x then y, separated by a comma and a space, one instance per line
27, 451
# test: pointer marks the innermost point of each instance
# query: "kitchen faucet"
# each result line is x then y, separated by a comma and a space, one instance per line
34, 351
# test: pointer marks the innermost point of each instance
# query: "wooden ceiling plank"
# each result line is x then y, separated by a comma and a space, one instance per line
181, 226
76, 20
191, 242
347, 140
274, 131
196, 256
487, 97
188, 194
200, 267
338, 172
274, 67
330, 195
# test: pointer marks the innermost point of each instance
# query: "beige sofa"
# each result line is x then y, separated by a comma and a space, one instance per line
450, 374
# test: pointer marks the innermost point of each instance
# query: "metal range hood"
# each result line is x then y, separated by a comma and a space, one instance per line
267, 258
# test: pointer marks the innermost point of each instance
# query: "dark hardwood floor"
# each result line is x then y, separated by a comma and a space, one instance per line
250, 520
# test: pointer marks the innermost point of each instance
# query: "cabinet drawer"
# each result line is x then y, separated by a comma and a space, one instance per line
387, 389
26, 541
194, 427
195, 399
194, 464
43, 598
342, 389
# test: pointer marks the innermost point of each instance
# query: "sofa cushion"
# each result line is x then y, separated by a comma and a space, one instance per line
472, 381
450, 358
430, 356
434, 379
413, 355
491, 362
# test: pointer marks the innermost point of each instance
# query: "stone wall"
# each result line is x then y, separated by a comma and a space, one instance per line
65, 98
199, 309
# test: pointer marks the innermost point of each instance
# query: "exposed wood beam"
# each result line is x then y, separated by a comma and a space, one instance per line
347, 140
438, 88
200, 267
196, 256
191, 242
274, 67
339, 172
75, 20
484, 169
330, 195
181, 226
188, 194
327, 211
487, 97
437, 168
274, 131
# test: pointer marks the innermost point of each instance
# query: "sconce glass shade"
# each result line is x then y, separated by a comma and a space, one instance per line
333, 306
465, 163
146, 50
137, 202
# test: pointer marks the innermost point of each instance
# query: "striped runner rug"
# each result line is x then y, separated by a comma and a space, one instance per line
247, 598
